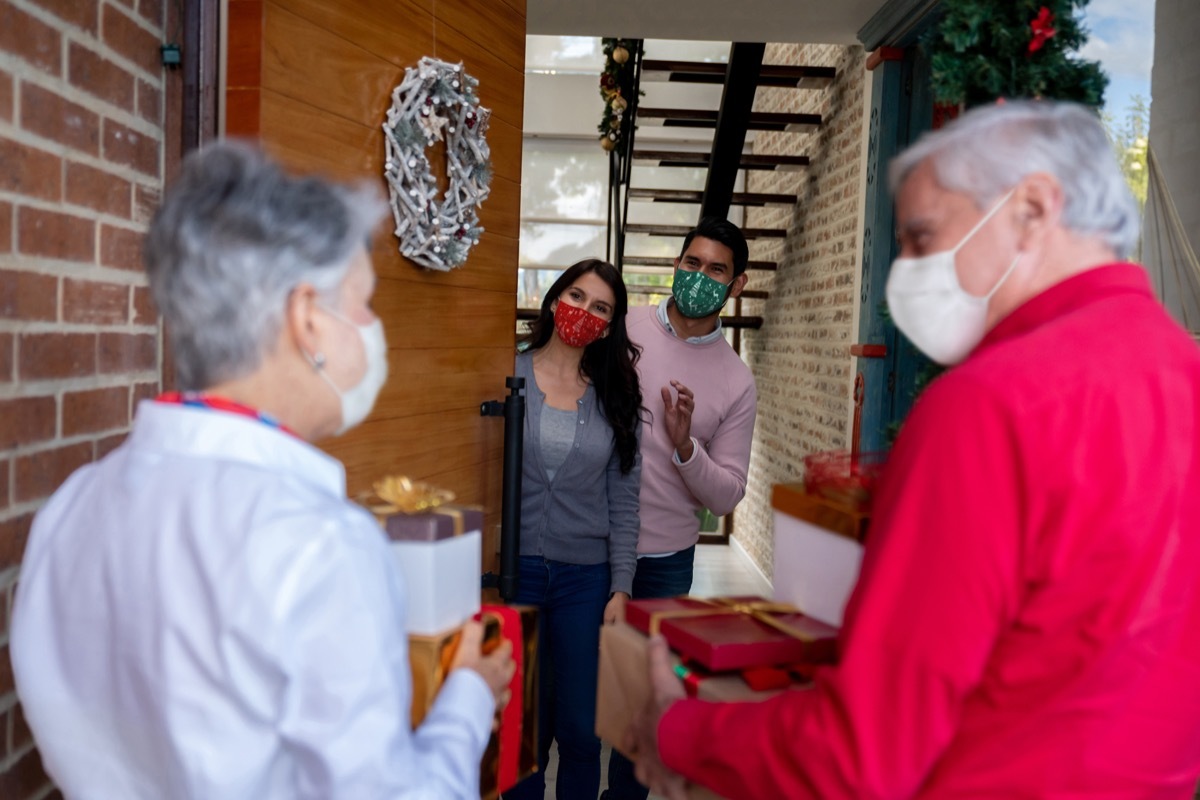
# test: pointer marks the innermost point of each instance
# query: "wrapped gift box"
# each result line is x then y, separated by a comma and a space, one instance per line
818, 551
734, 633
624, 687
439, 553
511, 752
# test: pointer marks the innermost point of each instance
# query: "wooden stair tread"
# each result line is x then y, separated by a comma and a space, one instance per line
658, 261
696, 196
743, 321
683, 230
685, 158
782, 75
706, 118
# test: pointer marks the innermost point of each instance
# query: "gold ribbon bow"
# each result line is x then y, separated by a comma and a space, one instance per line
399, 493
761, 610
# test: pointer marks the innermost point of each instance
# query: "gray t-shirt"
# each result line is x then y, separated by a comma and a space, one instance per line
557, 436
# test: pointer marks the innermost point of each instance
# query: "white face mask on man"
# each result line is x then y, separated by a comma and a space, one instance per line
931, 308
358, 400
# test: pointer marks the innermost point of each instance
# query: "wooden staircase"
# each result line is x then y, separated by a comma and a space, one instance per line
741, 77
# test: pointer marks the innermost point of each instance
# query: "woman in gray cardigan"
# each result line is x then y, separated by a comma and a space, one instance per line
579, 505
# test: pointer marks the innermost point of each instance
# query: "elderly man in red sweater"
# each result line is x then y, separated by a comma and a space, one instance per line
1027, 620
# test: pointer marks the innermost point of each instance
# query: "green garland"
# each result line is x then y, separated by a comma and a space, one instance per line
616, 84
984, 50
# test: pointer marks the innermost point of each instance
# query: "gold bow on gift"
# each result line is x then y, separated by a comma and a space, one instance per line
401, 494
761, 610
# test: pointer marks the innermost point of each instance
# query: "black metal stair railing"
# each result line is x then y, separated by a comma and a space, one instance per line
620, 161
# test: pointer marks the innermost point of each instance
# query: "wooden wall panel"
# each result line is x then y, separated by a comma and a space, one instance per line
313, 79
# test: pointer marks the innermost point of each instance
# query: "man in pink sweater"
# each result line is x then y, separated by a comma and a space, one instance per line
696, 447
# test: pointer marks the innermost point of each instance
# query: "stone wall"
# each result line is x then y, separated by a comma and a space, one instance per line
800, 357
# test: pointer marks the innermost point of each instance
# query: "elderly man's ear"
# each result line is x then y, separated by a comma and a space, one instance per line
301, 322
1038, 208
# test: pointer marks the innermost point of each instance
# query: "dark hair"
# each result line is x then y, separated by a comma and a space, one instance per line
723, 232
607, 362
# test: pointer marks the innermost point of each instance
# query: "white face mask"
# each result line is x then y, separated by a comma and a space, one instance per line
931, 308
358, 400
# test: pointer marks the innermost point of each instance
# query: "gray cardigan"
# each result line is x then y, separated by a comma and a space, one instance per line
589, 513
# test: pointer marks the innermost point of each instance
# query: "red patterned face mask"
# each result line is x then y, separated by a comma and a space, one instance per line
577, 326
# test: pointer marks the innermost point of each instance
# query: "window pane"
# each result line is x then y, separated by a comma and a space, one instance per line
564, 180
559, 245
532, 285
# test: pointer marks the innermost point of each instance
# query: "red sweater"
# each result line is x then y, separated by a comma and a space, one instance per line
1027, 621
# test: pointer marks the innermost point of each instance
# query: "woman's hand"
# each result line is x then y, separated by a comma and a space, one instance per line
614, 612
496, 668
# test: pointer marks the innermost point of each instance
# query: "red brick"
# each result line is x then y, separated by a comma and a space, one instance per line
85, 15
30, 172
99, 190
6, 356
50, 234
96, 302
121, 248
149, 102
57, 355
14, 533
144, 312
24, 778
146, 201
152, 12
100, 77
21, 735
4, 501
30, 39
6, 96
95, 410
144, 391
107, 444
47, 114
26, 420
28, 296
128, 352
126, 146
131, 40
40, 474
6, 225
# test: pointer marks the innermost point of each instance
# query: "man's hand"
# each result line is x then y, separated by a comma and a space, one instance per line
678, 416
641, 738
496, 668
614, 612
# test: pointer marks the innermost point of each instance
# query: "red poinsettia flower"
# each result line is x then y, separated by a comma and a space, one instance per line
1042, 30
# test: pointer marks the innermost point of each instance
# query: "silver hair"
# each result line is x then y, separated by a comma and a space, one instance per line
988, 150
235, 235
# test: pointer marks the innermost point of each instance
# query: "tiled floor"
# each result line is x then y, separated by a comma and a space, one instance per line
719, 570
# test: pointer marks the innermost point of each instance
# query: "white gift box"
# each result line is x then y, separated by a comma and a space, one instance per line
815, 569
442, 579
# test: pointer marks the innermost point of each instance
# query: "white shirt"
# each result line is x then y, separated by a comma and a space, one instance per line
202, 614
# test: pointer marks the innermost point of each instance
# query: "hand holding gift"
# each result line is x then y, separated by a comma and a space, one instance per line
496, 668
641, 739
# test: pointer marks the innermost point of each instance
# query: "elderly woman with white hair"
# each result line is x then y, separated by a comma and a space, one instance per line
1027, 618
203, 613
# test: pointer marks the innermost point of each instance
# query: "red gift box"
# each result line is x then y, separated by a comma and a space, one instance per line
734, 633
511, 754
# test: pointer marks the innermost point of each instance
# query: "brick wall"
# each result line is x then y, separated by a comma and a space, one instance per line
800, 357
81, 171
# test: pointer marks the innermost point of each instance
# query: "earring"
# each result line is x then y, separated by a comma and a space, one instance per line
318, 361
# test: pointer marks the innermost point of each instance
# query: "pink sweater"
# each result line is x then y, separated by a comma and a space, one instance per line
722, 425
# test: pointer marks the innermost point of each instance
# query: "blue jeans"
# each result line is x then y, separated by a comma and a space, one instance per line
571, 598
669, 576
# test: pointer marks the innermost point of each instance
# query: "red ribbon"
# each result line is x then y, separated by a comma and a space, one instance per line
1042, 30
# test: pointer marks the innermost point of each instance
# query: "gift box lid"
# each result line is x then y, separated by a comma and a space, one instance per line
442, 522
844, 519
735, 632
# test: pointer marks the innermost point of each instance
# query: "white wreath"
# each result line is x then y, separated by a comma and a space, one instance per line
437, 101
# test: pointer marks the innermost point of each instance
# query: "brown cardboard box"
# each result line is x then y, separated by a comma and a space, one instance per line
624, 688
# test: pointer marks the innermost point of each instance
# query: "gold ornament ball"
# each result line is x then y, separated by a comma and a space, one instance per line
620, 54
618, 104
607, 144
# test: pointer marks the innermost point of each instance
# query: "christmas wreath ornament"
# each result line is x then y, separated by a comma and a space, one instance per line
437, 101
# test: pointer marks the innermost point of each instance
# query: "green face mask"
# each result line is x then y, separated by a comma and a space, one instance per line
696, 294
